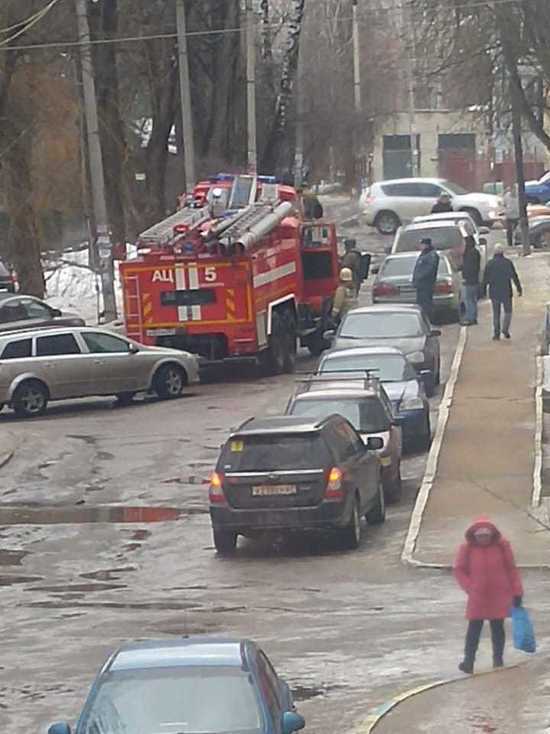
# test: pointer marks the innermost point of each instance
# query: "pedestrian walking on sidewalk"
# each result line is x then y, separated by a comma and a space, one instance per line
486, 570
511, 209
471, 264
499, 274
425, 275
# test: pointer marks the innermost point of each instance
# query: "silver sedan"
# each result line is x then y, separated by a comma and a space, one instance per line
39, 365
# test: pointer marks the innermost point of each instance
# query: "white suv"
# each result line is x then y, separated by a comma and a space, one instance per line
388, 204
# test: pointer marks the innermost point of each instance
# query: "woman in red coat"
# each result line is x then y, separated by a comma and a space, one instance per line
486, 570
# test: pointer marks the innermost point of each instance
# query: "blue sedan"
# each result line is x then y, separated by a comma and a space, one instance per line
195, 685
403, 385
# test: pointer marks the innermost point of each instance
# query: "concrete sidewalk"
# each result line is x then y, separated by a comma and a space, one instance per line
486, 461
508, 702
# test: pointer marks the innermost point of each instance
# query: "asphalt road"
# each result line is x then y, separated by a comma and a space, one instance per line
105, 536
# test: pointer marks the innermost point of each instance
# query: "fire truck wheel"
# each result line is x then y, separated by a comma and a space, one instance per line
169, 381
290, 348
275, 357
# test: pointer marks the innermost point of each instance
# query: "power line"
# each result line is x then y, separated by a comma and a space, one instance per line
30, 23
222, 31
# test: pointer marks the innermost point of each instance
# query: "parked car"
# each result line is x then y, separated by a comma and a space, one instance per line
393, 283
296, 474
190, 684
468, 226
538, 192
539, 233
403, 385
395, 325
387, 204
368, 408
39, 365
7, 279
25, 312
446, 237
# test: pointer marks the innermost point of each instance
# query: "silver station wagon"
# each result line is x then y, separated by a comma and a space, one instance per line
39, 365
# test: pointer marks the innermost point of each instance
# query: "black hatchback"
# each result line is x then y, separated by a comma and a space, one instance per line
295, 474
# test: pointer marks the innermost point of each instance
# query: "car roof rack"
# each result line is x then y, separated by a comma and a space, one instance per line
365, 376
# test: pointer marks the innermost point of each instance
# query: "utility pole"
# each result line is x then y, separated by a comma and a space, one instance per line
407, 28
520, 176
357, 133
251, 87
104, 251
185, 98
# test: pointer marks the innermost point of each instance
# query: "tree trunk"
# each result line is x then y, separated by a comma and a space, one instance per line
164, 94
24, 244
105, 25
275, 148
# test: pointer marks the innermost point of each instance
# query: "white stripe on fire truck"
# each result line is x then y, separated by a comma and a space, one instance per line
196, 313
275, 274
180, 286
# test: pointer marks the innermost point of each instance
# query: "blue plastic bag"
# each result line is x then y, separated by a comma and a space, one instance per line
523, 631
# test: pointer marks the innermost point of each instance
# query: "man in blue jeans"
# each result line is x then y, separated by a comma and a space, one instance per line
471, 263
499, 274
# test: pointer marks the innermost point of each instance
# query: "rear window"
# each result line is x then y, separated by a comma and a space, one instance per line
381, 325
18, 349
443, 238
274, 453
388, 367
366, 415
395, 266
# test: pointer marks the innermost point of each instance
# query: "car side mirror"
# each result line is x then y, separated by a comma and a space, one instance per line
56, 312
435, 332
484, 230
375, 443
133, 349
375, 270
292, 721
328, 336
482, 241
59, 728
397, 421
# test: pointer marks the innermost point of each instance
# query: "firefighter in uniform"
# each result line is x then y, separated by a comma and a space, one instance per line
345, 296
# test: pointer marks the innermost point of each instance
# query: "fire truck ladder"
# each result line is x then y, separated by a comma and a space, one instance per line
162, 233
255, 222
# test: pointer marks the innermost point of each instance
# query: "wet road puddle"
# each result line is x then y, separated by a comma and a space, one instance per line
85, 515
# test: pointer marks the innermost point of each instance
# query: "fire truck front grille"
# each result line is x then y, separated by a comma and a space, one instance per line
210, 346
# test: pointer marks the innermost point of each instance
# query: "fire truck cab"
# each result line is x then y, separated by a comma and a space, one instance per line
236, 274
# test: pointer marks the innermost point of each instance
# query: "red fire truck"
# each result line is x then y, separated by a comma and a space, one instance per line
236, 274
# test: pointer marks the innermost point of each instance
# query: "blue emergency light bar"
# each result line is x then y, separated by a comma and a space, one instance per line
231, 177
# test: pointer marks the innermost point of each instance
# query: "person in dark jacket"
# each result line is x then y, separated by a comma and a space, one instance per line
425, 275
471, 264
443, 204
499, 274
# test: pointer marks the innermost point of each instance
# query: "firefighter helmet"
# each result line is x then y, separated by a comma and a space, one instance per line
346, 276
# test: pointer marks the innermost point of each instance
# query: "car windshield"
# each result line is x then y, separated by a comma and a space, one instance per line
455, 188
174, 701
389, 367
402, 266
274, 452
443, 238
381, 325
365, 414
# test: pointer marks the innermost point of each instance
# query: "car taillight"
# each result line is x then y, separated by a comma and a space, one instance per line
445, 287
333, 490
385, 289
215, 491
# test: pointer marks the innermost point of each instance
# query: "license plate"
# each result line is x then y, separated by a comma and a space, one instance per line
267, 490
